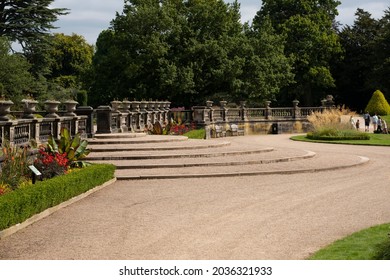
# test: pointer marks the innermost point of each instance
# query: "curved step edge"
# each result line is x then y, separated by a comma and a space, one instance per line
363, 160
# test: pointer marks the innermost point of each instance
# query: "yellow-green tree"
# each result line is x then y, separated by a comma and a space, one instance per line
378, 104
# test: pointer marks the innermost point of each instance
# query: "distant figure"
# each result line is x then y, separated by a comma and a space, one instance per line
367, 121
375, 122
384, 127
357, 125
352, 121
379, 125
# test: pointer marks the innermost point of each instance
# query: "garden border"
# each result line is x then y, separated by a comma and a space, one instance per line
15, 228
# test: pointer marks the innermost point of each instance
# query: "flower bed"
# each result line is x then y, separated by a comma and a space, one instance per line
21, 204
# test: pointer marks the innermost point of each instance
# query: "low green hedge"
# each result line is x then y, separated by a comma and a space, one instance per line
334, 135
21, 204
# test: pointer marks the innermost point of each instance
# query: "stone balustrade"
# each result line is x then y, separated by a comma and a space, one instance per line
219, 120
131, 116
20, 128
139, 116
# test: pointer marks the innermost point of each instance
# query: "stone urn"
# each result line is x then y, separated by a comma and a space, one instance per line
126, 105
135, 105
51, 107
295, 103
70, 106
223, 104
209, 103
151, 105
29, 108
5, 109
143, 105
115, 105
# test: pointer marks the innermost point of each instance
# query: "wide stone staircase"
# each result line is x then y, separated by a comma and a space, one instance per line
140, 156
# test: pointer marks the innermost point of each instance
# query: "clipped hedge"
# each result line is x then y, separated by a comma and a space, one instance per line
334, 135
21, 204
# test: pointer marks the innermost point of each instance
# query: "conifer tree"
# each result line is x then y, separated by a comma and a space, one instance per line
378, 104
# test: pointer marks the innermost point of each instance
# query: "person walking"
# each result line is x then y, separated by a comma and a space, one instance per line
367, 121
375, 122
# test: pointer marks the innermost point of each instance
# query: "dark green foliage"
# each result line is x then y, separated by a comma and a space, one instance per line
75, 148
14, 73
378, 104
308, 27
332, 134
27, 21
19, 205
82, 97
187, 52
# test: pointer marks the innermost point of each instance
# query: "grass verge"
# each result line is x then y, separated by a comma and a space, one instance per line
369, 244
375, 140
196, 134
21, 204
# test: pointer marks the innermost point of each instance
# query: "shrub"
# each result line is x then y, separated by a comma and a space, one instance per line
14, 168
21, 204
378, 104
74, 148
51, 164
328, 125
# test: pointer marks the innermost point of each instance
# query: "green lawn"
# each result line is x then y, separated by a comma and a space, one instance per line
369, 244
375, 140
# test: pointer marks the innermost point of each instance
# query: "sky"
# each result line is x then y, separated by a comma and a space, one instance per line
89, 17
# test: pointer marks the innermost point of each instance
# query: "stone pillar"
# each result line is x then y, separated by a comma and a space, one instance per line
224, 109
201, 115
268, 110
87, 111
135, 116
209, 105
244, 111
296, 109
104, 119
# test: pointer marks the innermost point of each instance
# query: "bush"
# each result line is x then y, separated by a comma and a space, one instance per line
21, 204
14, 168
332, 134
196, 134
378, 104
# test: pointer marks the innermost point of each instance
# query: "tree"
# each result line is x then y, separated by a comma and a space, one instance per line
184, 51
379, 77
25, 21
15, 78
354, 71
378, 104
311, 42
71, 57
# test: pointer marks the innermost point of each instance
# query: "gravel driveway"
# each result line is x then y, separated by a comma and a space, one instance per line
256, 217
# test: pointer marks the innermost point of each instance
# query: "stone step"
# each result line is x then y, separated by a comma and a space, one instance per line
225, 161
164, 146
119, 135
102, 156
137, 140
315, 164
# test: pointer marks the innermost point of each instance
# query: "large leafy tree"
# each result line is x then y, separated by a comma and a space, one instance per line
311, 42
353, 72
15, 78
185, 51
71, 57
25, 21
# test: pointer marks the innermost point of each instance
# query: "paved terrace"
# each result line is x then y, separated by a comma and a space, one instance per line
312, 195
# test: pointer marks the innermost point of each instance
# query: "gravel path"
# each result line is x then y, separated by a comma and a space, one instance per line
259, 217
